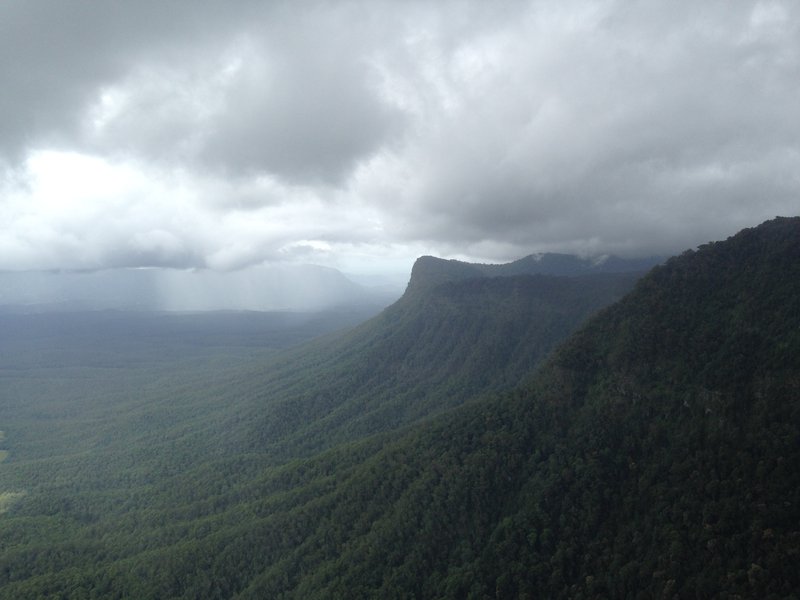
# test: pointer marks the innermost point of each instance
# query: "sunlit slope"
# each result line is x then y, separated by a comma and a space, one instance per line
434, 349
151, 464
655, 455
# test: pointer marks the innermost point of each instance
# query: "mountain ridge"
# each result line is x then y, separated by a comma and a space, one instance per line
653, 454
617, 474
435, 348
430, 270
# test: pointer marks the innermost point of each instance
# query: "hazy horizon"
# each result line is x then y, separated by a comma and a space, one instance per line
259, 288
361, 135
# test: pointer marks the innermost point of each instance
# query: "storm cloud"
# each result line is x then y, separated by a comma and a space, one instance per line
221, 135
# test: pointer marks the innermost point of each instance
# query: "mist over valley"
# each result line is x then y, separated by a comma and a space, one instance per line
390, 300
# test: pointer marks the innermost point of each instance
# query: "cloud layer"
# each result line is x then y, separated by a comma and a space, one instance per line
219, 135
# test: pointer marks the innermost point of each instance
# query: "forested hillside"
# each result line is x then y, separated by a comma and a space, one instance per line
134, 439
430, 351
655, 454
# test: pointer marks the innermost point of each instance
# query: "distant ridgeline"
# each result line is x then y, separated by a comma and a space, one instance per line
655, 453
460, 330
428, 270
257, 288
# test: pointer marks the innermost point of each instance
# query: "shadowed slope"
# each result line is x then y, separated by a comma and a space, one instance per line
655, 455
437, 347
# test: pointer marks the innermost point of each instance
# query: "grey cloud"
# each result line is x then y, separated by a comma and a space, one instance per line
461, 127
299, 103
56, 56
309, 113
635, 132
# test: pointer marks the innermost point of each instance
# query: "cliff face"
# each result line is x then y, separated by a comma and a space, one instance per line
428, 270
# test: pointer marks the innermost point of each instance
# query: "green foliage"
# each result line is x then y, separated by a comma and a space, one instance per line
160, 454
433, 350
655, 454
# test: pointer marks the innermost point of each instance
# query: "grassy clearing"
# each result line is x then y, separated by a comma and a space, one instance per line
9, 498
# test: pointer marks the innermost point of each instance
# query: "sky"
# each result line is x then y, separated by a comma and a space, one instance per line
359, 135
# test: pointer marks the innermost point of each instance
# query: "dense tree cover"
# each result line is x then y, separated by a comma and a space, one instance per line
139, 440
430, 351
656, 454
144, 339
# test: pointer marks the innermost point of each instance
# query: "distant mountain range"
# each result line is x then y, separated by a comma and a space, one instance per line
265, 288
451, 337
584, 431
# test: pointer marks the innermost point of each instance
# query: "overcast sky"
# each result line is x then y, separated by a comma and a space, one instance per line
361, 134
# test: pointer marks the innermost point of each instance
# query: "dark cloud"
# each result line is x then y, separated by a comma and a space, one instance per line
623, 129
303, 104
249, 131
55, 56
245, 89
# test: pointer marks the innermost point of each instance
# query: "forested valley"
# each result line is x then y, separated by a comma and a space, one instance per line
549, 428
